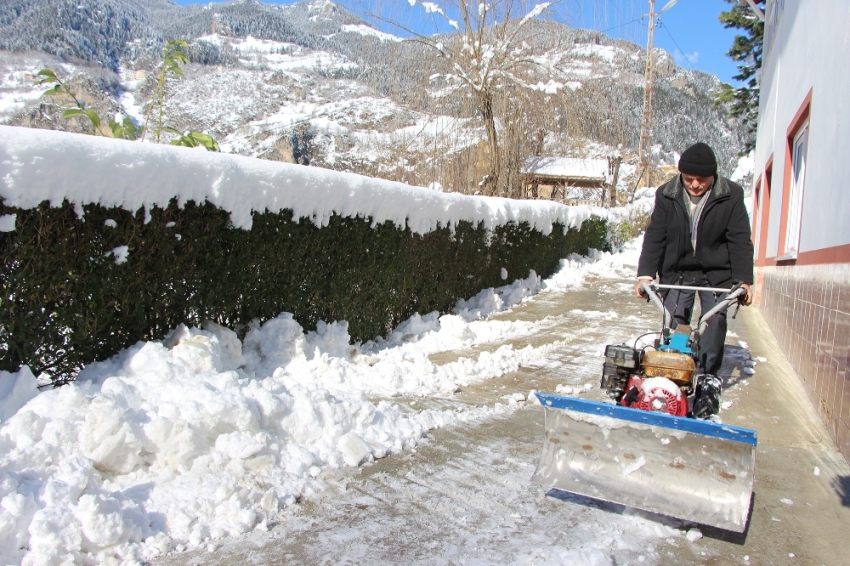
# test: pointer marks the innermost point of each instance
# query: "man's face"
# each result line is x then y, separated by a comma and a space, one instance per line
696, 186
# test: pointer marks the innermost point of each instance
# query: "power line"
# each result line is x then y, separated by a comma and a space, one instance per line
684, 56
621, 25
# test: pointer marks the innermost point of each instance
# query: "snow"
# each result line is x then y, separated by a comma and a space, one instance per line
638, 464
178, 430
182, 442
606, 53
744, 169
127, 102
121, 253
575, 168
44, 165
16, 390
329, 118
279, 56
15, 101
369, 31
7, 222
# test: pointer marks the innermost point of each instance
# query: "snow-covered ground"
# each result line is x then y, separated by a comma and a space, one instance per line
18, 74
179, 443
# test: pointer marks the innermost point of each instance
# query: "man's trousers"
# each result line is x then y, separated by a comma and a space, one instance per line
680, 303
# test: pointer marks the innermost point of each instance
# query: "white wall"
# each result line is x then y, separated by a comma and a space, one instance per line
810, 51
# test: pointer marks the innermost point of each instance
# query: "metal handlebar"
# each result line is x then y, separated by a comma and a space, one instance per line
651, 291
732, 297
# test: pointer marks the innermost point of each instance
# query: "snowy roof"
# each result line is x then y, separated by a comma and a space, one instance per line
42, 165
567, 167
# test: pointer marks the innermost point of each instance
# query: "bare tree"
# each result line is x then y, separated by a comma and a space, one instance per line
486, 55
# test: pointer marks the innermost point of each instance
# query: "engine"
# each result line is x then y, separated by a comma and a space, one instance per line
655, 380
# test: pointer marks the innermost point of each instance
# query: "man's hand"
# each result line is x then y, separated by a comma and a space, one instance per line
639, 292
747, 299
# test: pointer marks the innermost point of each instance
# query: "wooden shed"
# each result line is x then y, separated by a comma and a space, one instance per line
566, 178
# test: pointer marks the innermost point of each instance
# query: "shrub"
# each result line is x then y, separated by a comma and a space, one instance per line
629, 228
73, 293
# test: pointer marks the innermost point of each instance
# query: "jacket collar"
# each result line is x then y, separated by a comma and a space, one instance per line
673, 188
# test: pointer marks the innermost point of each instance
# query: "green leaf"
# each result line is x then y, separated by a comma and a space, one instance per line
193, 139
78, 112
56, 90
47, 75
124, 130
131, 131
93, 116
206, 140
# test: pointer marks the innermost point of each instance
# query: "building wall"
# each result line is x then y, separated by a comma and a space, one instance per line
808, 309
806, 299
808, 53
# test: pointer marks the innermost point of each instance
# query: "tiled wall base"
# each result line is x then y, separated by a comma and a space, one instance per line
808, 310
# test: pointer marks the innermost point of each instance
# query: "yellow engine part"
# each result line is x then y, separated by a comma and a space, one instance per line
678, 368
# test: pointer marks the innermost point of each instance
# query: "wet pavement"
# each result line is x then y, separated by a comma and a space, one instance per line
464, 496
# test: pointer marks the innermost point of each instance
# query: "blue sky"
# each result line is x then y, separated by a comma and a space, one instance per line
690, 30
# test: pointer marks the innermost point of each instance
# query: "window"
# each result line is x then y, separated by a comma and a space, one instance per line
793, 182
764, 208
795, 197
756, 211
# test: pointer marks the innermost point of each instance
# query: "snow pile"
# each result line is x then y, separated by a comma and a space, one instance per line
16, 390
177, 443
39, 165
174, 444
576, 269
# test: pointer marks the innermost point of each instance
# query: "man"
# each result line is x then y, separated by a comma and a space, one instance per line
699, 235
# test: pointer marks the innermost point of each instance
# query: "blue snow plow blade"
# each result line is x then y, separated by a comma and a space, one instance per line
694, 470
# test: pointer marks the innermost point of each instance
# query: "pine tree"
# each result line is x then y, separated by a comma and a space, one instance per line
747, 52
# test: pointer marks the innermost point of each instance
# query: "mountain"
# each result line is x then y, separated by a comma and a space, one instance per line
311, 83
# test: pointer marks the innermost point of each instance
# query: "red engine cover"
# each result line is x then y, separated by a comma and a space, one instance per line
665, 397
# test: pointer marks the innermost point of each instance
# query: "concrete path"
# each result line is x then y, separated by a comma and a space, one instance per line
465, 496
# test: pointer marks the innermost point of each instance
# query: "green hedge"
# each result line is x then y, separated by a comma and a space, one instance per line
66, 301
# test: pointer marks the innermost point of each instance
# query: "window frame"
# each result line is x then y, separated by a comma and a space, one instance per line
800, 124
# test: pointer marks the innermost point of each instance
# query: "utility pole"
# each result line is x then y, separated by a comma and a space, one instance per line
645, 147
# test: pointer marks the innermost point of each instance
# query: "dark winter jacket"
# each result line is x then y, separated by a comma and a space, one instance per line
724, 250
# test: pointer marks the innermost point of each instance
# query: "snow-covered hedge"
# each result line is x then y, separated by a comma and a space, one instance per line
108, 242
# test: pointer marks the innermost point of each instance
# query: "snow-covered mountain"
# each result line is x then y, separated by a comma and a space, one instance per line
313, 84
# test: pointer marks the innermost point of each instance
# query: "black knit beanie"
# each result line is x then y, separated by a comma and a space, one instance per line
698, 160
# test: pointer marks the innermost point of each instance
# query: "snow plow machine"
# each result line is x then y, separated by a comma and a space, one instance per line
644, 451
